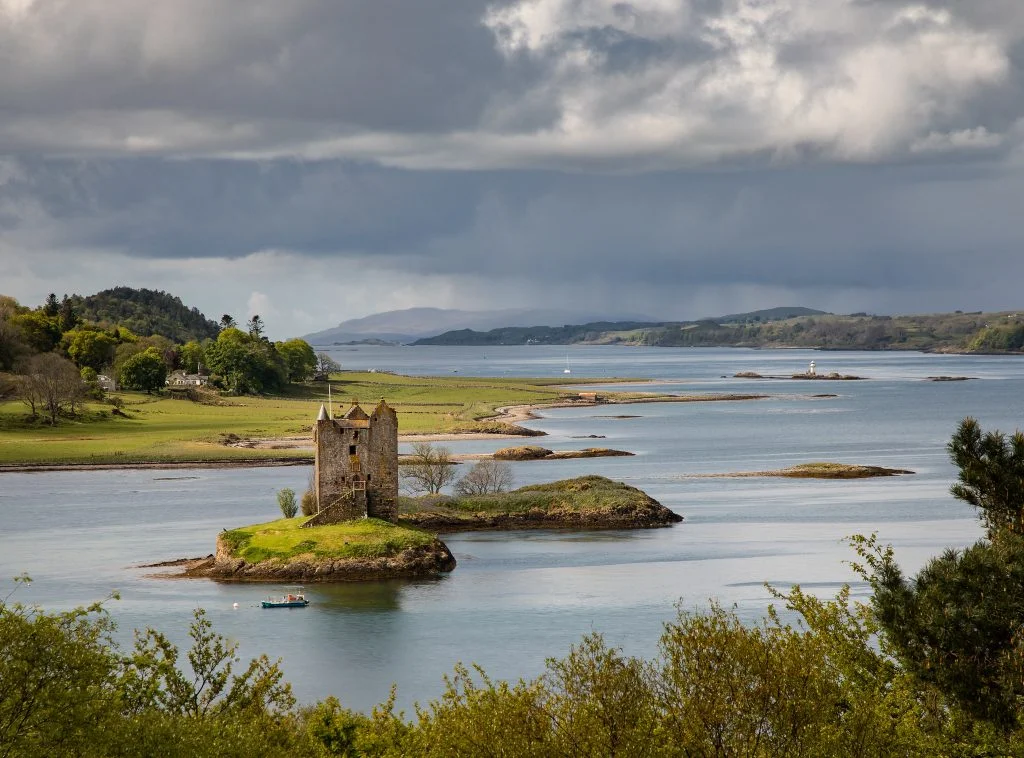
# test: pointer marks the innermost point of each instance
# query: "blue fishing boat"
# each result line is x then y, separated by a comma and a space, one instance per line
288, 601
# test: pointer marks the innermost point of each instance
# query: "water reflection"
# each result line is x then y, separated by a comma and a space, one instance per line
362, 597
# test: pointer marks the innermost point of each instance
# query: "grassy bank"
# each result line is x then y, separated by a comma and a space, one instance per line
159, 429
584, 502
285, 539
585, 493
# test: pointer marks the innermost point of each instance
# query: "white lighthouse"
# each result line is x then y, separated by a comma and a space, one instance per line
810, 370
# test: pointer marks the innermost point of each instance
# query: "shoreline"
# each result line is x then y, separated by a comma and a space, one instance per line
512, 414
32, 468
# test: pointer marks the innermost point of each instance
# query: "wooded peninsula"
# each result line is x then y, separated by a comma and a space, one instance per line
956, 332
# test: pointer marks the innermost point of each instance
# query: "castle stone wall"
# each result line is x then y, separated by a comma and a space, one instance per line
356, 470
382, 489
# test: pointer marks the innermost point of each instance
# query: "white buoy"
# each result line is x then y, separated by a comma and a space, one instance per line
234, 605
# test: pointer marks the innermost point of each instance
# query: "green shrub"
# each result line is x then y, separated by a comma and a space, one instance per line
286, 499
308, 503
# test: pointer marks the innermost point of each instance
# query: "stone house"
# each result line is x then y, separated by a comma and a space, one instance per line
181, 379
356, 470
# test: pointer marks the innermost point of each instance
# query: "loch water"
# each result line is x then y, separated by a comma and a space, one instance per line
518, 597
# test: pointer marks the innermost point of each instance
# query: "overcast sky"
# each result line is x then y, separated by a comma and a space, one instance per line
317, 160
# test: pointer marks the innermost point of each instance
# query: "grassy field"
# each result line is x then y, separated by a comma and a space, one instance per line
284, 539
159, 429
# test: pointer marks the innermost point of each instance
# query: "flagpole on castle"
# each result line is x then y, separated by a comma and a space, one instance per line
330, 407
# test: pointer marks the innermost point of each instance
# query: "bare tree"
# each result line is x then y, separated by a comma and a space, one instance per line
428, 469
8, 386
325, 366
485, 478
51, 385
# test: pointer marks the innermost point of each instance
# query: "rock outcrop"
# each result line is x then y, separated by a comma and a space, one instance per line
536, 453
554, 518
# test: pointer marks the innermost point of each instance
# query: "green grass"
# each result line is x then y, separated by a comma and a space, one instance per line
159, 429
284, 539
582, 494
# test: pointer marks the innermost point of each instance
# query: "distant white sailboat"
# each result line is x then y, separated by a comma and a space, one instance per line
567, 369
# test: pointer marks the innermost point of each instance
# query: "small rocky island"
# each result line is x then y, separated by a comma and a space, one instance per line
811, 373
355, 550
363, 530
537, 453
586, 502
821, 470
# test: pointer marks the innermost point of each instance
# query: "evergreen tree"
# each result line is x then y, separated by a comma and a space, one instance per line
68, 317
959, 624
991, 475
255, 326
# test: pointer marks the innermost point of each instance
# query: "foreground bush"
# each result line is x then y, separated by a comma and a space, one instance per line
66, 689
821, 687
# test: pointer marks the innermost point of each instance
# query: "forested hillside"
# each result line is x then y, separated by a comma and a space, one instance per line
144, 311
938, 332
944, 332
534, 335
58, 355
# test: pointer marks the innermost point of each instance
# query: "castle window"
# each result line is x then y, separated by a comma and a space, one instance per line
369, 477
351, 449
355, 435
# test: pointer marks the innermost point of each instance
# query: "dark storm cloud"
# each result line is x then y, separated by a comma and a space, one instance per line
156, 208
470, 84
910, 226
371, 64
650, 149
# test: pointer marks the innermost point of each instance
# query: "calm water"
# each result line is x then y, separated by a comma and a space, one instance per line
516, 598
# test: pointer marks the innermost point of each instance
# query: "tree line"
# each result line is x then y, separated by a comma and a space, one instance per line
930, 665
53, 356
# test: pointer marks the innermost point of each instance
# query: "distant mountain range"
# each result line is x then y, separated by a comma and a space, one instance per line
957, 332
412, 324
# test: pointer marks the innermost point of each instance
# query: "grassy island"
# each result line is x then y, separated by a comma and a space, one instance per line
354, 550
589, 502
368, 548
285, 539
822, 470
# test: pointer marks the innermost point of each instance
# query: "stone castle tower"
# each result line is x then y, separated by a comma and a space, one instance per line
356, 470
